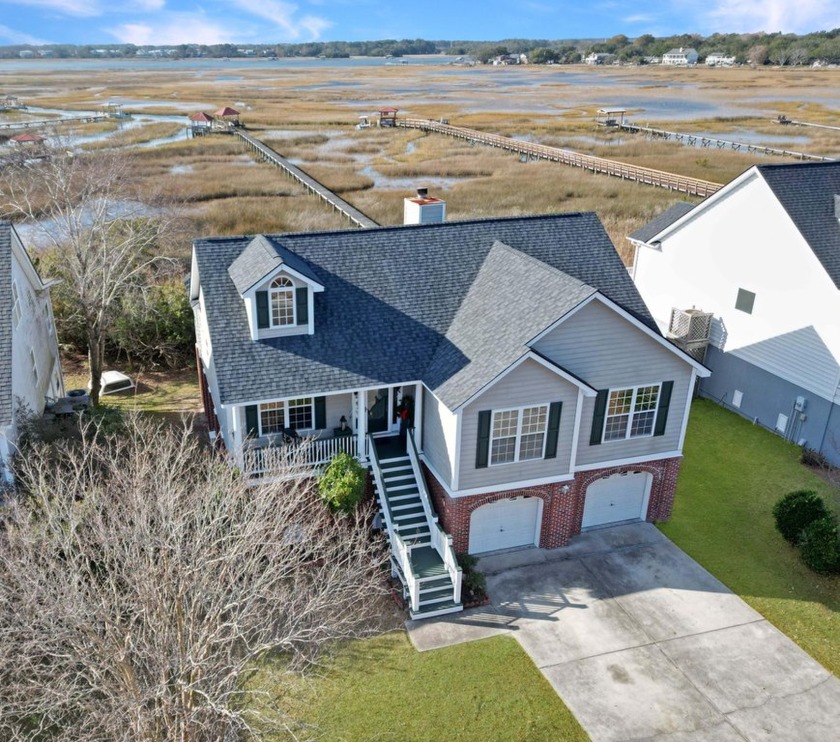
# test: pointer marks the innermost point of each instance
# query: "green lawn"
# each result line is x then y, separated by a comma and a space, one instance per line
732, 475
382, 689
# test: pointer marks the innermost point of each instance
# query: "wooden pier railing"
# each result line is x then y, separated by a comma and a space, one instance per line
312, 185
52, 122
681, 183
704, 141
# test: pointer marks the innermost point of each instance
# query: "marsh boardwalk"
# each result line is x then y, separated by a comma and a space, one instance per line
312, 185
681, 183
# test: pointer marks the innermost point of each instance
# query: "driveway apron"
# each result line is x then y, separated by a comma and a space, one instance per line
641, 642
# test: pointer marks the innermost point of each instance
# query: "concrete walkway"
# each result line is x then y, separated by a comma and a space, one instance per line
641, 642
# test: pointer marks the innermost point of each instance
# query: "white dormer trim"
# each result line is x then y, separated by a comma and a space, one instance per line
298, 281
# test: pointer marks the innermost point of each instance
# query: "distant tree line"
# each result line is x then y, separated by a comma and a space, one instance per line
755, 48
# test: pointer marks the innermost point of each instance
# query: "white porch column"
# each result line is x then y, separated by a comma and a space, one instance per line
418, 416
361, 423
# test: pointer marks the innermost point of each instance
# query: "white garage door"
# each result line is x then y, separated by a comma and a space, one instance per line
616, 498
505, 524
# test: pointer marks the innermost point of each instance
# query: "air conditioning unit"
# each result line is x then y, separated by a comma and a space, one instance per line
690, 325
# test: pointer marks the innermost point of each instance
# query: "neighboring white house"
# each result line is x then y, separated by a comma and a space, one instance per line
541, 396
719, 60
599, 58
763, 256
680, 57
30, 371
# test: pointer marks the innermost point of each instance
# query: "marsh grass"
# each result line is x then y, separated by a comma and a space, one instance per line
138, 135
227, 192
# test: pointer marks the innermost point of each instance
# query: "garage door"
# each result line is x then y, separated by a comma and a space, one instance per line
616, 498
505, 524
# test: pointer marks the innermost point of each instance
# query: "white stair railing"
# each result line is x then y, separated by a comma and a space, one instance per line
441, 540
400, 550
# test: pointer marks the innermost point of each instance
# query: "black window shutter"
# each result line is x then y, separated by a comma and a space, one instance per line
598, 417
252, 424
482, 451
320, 413
262, 309
554, 410
302, 305
664, 403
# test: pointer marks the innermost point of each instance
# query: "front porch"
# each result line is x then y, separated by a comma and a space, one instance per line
304, 434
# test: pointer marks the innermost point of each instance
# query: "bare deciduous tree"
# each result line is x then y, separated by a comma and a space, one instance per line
86, 208
142, 581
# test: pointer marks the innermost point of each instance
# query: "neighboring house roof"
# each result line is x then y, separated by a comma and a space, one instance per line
665, 219
807, 191
450, 304
5, 323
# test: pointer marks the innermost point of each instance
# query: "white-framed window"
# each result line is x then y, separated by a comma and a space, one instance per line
15, 303
631, 412
298, 414
281, 302
518, 434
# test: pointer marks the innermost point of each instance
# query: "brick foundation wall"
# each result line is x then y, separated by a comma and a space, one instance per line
562, 510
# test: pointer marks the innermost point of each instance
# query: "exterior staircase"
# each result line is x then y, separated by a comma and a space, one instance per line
422, 556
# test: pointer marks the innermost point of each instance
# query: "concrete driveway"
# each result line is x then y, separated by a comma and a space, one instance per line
641, 642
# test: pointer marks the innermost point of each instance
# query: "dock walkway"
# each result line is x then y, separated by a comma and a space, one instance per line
52, 122
704, 141
681, 183
312, 185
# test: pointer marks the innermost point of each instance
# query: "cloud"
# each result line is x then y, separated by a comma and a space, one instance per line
79, 8
284, 15
16, 37
176, 28
789, 16
640, 18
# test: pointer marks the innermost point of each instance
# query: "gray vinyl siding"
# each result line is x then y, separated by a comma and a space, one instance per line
528, 384
336, 406
609, 352
801, 357
434, 440
766, 395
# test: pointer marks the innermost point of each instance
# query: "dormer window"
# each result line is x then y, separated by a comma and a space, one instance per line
282, 301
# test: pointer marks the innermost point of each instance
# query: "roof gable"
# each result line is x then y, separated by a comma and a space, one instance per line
664, 220
260, 259
807, 192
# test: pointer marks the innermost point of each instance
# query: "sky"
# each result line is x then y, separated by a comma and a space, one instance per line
168, 22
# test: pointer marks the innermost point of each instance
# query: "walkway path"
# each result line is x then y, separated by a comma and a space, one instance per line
641, 642
682, 183
312, 185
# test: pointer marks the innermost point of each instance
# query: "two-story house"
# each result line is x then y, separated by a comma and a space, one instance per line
762, 256
541, 396
680, 57
30, 371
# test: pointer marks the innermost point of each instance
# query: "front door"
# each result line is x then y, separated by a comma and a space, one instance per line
379, 410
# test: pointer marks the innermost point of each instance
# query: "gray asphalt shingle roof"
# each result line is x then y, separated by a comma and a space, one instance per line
5, 323
449, 304
665, 219
806, 191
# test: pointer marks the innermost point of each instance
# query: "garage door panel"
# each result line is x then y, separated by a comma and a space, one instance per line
505, 524
615, 499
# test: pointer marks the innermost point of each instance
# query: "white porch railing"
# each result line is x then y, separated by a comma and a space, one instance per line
308, 453
441, 540
400, 550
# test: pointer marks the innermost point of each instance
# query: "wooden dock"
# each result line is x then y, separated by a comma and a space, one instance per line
312, 185
704, 141
785, 121
52, 122
681, 183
